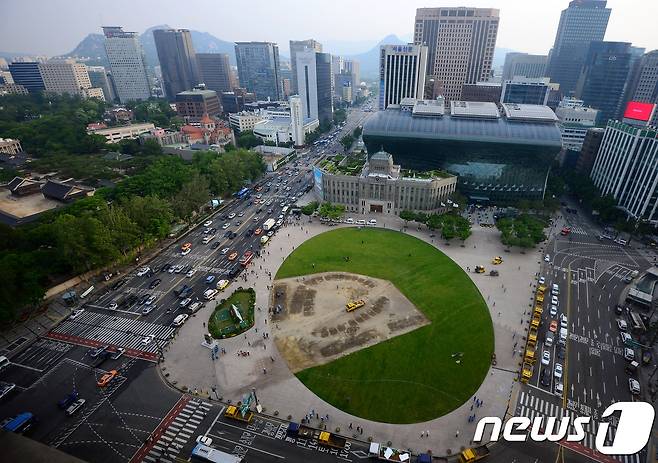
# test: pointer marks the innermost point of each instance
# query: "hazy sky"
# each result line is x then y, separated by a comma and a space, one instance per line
53, 27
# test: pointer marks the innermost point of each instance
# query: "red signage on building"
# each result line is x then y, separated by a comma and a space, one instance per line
639, 111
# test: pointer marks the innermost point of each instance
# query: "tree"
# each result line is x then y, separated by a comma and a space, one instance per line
193, 194
347, 141
331, 211
524, 231
407, 216
310, 208
247, 140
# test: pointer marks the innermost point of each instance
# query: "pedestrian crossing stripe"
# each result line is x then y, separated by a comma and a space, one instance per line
533, 407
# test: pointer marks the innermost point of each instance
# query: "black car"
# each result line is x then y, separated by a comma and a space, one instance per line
186, 269
234, 272
227, 234
118, 284
212, 231
545, 377
618, 309
144, 298
155, 269
560, 352
131, 300
249, 232
215, 245
232, 235
165, 267
155, 283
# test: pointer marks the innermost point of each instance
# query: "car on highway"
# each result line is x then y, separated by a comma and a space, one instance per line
634, 386
233, 256
95, 352
185, 252
564, 323
151, 299
113, 306
210, 279
144, 298
148, 339
190, 273
226, 225
222, 284
256, 218
6, 388
240, 214
155, 283
554, 300
185, 302
215, 245
619, 309
629, 354
557, 371
204, 440
542, 280
258, 231
545, 378
625, 337
179, 268
225, 250
231, 215
553, 326
208, 294
547, 258
553, 310
143, 271
622, 325
68, 400
118, 284
148, 309
107, 378
555, 289
545, 357
207, 223
373, 222
559, 388
75, 406
179, 320
76, 313
270, 233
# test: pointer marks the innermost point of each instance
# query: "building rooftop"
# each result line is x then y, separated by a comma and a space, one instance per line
529, 112
474, 109
429, 108
394, 123
195, 91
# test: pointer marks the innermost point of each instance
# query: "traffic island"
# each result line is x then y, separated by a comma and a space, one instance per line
234, 315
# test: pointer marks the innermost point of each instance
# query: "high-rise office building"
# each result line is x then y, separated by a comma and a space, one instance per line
297, 120
575, 120
523, 90
28, 75
258, 68
401, 73
193, 104
299, 46
99, 79
603, 78
353, 67
314, 81
643, 84
127, 64
524, 65
460, 43
583, 22
66, 76
215, 71
625, 168
177, 60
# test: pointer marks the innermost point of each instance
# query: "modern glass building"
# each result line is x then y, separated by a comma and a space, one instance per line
498, 155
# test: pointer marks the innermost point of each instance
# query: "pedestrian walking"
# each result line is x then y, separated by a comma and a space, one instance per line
422, 434
350, 426
457, 433
272, 359
264, 371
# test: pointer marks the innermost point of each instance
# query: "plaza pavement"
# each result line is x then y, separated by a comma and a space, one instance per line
509, 297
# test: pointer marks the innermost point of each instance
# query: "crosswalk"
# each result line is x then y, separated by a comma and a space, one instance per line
93, 329
578, 230
180, 430
532, 407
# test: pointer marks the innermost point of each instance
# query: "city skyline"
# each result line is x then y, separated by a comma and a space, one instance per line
340, 32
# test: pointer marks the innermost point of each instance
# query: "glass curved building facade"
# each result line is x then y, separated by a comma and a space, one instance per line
498, 154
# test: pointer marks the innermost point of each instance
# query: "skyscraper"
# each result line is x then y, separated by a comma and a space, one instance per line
28, 75
177, 60
524, 65
643, 84
297, 120
460, 43
258, 68
583, 22
98, 77
295, 47
127, 64
215, 71
401, 73
66, 76
314, 81
603, 78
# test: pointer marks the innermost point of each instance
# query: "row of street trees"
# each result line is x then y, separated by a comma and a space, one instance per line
451, 225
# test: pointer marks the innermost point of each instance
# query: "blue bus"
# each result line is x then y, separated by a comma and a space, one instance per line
20, 423
243, 193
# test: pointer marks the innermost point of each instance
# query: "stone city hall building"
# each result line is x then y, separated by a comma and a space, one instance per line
378, 185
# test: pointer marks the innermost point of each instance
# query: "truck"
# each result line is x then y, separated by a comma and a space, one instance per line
237, 413
268, 224
386, 453
323, 437
474, 454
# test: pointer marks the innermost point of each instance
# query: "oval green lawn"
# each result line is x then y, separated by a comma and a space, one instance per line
412, 377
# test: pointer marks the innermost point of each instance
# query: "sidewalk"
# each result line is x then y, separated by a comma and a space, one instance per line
509, 298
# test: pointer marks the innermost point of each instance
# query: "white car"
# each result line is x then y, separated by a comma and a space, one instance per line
634, 386
113, 306
372, 222
209, 294
542, 280
225, 226
183, 253
240, 214
629, 354
76, 313
225, 251
143, 271
150, 300
194, 307
554, 300
207, 223
205, 440
553, 310
179, 320
148, 339
622, 325
625, 337
563, 321
547, 258
191, 273
231, 215
349, 220
559, 388
557, 372
545, 357
185, 302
